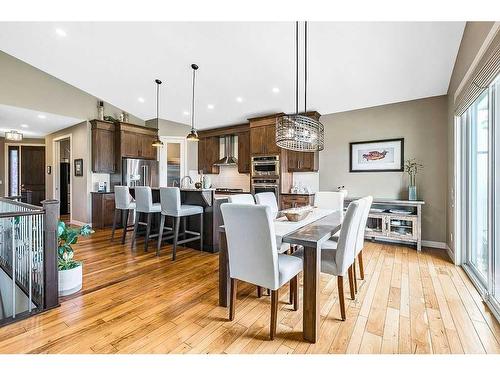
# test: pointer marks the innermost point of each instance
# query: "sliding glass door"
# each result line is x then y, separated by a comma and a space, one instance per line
481, 192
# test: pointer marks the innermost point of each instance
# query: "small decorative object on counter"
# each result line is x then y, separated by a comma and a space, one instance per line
206, 182
100, 110
110, 118
412, 167
125, 117
342, 189
121, 117
198, 185
294, 189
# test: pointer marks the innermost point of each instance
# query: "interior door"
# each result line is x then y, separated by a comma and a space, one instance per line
33, 172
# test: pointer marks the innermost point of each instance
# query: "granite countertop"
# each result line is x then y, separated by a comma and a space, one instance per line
183, 189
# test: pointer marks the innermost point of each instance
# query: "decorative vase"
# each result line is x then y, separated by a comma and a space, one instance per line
70, 281
412, 193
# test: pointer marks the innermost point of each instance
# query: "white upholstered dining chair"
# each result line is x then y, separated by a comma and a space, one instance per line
241, 198
360, 242
332, 200
252, 254
338, 257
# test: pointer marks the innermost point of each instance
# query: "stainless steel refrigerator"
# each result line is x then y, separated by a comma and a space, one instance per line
139, 172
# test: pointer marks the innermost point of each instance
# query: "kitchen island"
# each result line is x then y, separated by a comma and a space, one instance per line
199, 197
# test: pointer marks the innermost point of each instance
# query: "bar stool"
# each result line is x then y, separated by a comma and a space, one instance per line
144, 204
170, 198
123, 204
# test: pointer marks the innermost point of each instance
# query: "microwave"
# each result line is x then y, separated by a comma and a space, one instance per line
264, 166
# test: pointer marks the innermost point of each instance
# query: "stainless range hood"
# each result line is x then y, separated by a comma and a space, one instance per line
228, 157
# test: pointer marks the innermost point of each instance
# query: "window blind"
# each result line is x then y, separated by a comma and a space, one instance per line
485, 72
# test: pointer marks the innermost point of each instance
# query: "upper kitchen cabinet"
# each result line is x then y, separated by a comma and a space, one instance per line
263, 135
137, 141
103, 147
244, 152
302, 161
208, 154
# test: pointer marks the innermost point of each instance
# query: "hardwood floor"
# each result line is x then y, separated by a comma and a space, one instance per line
134, 302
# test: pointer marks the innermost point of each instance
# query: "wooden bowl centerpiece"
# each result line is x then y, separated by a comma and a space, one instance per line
297, 213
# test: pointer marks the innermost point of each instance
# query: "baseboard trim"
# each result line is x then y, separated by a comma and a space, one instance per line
434, 244
450, 253
76, 222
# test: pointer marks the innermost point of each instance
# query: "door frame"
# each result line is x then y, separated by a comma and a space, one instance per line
6, 162
56, 157
162, 157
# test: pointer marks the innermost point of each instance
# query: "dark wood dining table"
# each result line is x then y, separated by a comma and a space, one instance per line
311, 236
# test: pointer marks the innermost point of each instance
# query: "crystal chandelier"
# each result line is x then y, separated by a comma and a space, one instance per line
299, 132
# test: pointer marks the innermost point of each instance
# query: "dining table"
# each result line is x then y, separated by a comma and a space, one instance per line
311, 232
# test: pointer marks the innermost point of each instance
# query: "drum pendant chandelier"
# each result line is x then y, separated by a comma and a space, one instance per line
299, 132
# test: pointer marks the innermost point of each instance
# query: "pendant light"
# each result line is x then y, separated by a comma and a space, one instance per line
193, 134
299, 132
157, 142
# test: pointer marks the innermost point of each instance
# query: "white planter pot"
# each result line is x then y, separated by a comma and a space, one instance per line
70, 281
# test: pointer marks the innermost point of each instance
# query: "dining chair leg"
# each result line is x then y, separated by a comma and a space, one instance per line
351, 282
148, 231
125, 224
274, 313
232, 301
355, 277
259, 291
160, 234
117, 211
201, 231
177, 223
361, 269
136, 226
290, 295
294, 292
340, 284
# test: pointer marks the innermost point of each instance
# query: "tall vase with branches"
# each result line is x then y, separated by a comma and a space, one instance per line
412, 167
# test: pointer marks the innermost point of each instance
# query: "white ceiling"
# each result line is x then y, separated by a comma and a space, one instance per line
33, 124
351, 65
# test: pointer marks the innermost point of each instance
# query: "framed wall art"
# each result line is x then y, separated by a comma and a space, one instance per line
385, 155
78, 167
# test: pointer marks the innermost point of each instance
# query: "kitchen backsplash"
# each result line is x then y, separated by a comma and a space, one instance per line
99, 177
228, 177
307, 179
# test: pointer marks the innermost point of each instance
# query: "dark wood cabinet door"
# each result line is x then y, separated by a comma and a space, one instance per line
201, 154
147, 151
244, 152
302, 161
129, 144
258, 140
103, 151
108, 206
208, 154
271, 146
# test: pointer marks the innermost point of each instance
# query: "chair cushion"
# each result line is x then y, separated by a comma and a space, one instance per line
185, 210
155, 208
288, 267
330, 244
328, 264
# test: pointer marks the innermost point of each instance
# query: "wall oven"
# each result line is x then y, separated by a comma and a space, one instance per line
265, 166
263, 185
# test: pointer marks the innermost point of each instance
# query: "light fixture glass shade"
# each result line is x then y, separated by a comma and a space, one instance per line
193, 136
13, 136
299, 133
157, 142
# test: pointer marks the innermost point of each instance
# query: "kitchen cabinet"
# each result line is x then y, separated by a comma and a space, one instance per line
244, 152
103, 147
136, 142
103, 209
296, 200
208, 154
302, 161
263, 140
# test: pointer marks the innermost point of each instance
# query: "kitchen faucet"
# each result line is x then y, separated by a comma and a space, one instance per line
188, 177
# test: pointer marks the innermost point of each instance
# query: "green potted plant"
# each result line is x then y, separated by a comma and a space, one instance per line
412, 167
70, 270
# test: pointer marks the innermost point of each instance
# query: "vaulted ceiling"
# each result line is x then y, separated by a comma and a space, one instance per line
246, 69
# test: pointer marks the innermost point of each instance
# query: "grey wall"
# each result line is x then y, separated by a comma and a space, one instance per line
176, 129
422, 123
474, 35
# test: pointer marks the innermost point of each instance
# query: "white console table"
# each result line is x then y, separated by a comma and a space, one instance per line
395, 220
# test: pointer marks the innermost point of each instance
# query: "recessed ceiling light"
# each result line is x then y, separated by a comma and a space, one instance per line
276, 90
24, 126
141, 100
185, 113
42, 116
239, 99
210, 106
60, 32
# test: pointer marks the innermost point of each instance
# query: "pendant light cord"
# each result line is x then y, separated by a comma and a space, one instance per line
192, 102
305, 66
297, 67
157, 104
